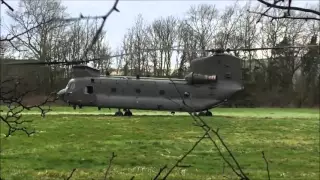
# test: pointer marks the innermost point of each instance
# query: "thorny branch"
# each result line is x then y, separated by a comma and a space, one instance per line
14, 100
288, 9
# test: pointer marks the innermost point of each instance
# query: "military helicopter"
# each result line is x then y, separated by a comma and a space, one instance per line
211, 81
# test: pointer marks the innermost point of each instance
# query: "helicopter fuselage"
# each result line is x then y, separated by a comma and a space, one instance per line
147, 93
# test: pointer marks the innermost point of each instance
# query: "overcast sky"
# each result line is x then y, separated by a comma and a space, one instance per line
118, 23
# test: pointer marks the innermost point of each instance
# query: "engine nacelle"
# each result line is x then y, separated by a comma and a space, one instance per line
194, 78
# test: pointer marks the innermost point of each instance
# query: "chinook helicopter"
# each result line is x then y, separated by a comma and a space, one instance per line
211, 81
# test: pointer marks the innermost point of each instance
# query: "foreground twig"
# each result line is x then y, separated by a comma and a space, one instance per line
283, 17
267, 164
96, 36
201, 123
287, 13
186, 154
289, 7
94, 40
3, 2
110, 162
71, 174
14, 101
160, 171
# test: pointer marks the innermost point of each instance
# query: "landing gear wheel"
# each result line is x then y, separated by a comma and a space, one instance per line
127, 112
208, 113
99, 108
80, 106
74, 107
118, 113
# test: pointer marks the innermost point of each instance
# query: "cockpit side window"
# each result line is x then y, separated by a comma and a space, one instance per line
71, 84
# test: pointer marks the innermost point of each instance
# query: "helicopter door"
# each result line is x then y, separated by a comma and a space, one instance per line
89, 95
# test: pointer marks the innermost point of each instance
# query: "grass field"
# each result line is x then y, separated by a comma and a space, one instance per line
226, 112
143, 144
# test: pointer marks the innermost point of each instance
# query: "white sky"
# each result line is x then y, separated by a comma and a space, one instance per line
118, 23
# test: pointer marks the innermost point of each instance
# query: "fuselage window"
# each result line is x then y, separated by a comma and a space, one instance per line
89, 90
138, 91
113, 90
161, 92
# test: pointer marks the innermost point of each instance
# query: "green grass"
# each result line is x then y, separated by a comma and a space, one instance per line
144, 144
229, 112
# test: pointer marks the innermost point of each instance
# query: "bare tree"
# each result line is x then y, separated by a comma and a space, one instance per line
38, 42
134, 43
36, 14
203, 20
227, 35
162, 34
41, 46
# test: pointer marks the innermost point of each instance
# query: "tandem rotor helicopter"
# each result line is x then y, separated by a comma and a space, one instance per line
212, 80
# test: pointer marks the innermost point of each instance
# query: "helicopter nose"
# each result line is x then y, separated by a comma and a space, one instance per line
61, 93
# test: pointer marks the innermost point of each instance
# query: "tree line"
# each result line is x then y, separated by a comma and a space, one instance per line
282, 77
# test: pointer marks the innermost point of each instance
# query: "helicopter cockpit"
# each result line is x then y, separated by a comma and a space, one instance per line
70, 86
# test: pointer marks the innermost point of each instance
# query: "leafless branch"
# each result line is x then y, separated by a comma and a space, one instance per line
71, 174
160, 171
201, 123
267, 164
283, 17
186, 154
277, 1
7, 38
14, 100
96, 36
288, 8
109, 166
3, 2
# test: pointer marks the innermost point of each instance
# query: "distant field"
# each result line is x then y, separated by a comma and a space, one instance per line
289, 137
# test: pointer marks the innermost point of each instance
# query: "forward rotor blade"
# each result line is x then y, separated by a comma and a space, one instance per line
153, 49
228, 49
65, 62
